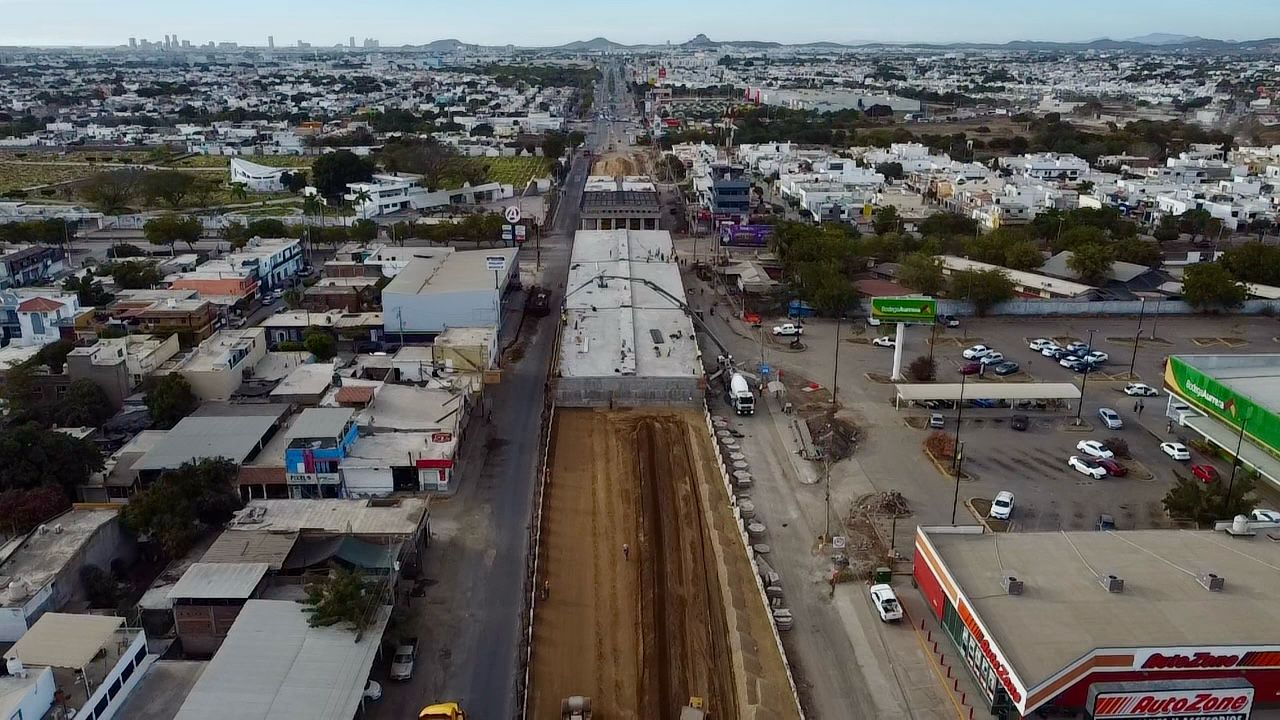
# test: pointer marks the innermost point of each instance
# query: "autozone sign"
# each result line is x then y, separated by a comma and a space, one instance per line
988, 651
1190, 704
1208, 658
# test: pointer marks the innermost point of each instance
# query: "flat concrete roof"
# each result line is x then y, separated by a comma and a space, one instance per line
42, 555
988, 391
273, 665
320, 423
309, 379
1256, 376
195, 438
65, 640
398, 516
1064, 612
162, 690
618, 327
458, 271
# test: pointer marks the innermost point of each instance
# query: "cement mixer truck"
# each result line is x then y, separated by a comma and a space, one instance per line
739, 395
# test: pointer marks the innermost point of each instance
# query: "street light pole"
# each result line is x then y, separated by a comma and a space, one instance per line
1136, 336
835, 373
1084, 381
958, 454
1235, 459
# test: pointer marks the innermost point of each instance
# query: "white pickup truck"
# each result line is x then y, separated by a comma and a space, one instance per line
788, 329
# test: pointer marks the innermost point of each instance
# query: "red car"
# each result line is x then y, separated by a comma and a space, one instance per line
1112, 467
972, 368
1206, 473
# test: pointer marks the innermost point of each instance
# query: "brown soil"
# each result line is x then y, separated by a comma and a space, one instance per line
682, 616
614, 164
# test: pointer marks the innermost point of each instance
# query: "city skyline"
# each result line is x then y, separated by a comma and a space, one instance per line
85, 23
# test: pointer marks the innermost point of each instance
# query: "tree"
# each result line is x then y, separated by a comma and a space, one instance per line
84, 404
1254, 262
54, 355
1137, 251
88, 289
1167, 229
482, 130
23, 510
923, 369
1022, 255
175, 510
293, 298
332, 172
1091, 263
101, 589
169, 398
110, 192
1198, 222
554, 143
1211, 285
948, 224
363, 230
239, 191
295, 181
267, 228
1261, 225
885, 219
235, 233
136, 274
1206, 503
343, 596
984, 288
169, 229
124, 250
168, 186
922, 273
1073, 238
890, 170
31, 457
319, 343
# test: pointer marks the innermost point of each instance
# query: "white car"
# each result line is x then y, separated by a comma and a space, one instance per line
976, 352
874, 322
884, 341
788, 329
1110, 418
885, 602
1002, 506
1140, 390
1177, 451
992, 358
1049, 350
1093, 448
1077, 345
1096, 358
373, 691
1087, 467
1267, 516
1040, 344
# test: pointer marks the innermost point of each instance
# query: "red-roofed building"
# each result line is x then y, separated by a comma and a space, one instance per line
354, 395
39, 319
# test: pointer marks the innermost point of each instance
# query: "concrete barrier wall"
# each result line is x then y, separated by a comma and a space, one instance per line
628, 391
1098, 307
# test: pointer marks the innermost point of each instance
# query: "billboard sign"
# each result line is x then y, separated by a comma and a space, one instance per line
905, 309
745, 235
1231, 699
1220, 402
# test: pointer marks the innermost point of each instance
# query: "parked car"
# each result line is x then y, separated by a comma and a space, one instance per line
976, 352
788, 329
1206, 473
1005, 368
373, 691
950, 321
884, 341
1269, 516
873, 322
970, 368
1040, 344
1070, 362
1110, 418
1019, 423
1177, 451
984, 403
403, 659
1051, 351
1096, 358
885, 602
992, 358
1105, 522
1140, 390
1077, 345
1002, 505
1094, 449
936, 420
1086, 466
1112, 467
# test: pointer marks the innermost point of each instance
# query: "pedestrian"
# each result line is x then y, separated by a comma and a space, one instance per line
1135, 406
1168, 428
1141, 406
626, 551
546, 589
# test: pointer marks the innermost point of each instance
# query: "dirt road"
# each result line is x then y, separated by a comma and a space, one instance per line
680, 616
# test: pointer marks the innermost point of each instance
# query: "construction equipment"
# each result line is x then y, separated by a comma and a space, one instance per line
693, 711
575, 707
442, 711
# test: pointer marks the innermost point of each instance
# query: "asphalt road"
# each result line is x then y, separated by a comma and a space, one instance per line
469, 621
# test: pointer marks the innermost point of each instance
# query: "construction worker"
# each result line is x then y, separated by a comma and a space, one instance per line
626, 551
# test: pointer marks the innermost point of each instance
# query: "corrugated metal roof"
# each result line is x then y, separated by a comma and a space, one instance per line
988, 391
196, 438
227, 581
273, 665
65, 640
320, 423
251, 546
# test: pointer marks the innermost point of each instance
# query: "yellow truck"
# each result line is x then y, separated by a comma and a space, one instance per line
442, 711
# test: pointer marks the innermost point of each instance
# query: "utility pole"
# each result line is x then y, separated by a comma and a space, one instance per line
958, 454
1235, 459
835, 373
1137, 336
1084, 381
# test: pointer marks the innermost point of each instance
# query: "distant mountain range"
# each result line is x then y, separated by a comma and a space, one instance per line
1153, 42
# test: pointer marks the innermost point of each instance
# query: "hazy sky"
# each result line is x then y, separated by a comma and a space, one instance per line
550, 22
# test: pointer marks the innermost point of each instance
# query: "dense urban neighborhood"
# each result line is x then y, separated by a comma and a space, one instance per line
698, 380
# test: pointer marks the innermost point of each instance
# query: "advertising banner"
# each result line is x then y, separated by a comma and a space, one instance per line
745, 235
1220, 402
1182, 700
908, 310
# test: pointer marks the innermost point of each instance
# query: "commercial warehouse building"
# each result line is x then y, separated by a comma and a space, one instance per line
1232, 401
447, 289
1106, 622
626, 338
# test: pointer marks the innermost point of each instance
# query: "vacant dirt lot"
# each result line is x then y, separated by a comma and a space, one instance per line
681, 617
